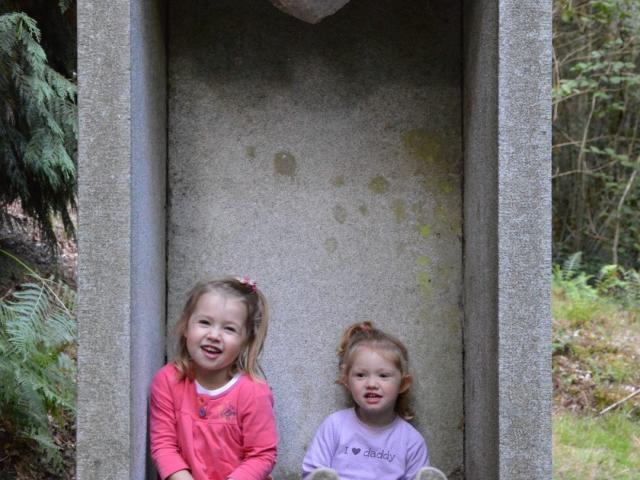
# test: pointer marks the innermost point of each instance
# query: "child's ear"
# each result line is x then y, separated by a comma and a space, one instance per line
405, 383
342, 379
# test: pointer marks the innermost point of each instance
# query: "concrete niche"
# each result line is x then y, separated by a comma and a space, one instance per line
388, 163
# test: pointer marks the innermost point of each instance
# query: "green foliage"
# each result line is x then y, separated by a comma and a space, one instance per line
623, 284
596, 119
580, 299
37, 372
38, 127
585, 296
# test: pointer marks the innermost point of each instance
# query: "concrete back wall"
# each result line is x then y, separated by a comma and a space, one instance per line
325, 161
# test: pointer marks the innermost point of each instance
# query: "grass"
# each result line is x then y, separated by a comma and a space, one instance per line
596, 362
586, 447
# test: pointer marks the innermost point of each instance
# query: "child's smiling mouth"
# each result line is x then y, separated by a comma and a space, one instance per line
211, 351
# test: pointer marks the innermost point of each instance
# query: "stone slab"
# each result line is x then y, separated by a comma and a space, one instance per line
310, 11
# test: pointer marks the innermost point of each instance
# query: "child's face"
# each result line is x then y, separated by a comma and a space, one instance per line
215, 335
375, 382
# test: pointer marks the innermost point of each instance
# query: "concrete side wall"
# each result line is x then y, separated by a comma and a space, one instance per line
148, 193
524, 237
480, 133
325, 161
104, 241
121, 231
507, 240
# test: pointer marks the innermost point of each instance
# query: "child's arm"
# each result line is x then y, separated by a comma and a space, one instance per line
322, 448
162, 428
417, 457
259, 434
181, 475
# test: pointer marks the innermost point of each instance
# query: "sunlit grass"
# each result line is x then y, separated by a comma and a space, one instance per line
593, 448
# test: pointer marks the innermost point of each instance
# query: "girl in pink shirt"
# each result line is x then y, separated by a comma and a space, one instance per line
211, 412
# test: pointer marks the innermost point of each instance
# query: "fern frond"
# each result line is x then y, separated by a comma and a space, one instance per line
37, 327
571, 266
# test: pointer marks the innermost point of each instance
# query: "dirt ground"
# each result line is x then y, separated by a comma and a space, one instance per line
20, 238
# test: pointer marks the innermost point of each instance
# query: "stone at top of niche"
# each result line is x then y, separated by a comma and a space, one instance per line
310, 11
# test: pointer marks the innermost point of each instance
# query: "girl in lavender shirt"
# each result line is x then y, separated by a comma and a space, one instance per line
372, 440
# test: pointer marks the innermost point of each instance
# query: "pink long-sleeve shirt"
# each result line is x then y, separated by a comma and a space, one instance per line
232, 434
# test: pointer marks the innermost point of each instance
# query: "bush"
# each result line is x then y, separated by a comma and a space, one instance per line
37, 370
579, 300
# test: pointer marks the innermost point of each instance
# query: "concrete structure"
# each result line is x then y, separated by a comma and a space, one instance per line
335, 164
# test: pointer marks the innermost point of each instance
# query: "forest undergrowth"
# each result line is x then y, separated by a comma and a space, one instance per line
596, 373
38, 350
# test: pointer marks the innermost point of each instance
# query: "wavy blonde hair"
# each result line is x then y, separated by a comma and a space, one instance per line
364, 334
256, 324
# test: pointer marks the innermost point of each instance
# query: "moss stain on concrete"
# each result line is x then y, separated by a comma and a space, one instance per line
330, 245
424, 283
251, 152
399, 211
285, 164
339, 213
441, 212
445, 187
425, 231
451, 222
422, 261
338, 181
379, 185
364, 210
422, 144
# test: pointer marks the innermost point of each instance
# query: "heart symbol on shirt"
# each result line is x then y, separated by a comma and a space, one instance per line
355, 451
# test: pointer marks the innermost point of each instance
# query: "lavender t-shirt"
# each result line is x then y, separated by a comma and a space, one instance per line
360, 452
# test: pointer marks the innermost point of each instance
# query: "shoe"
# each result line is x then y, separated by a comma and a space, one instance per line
323, 474
430, 473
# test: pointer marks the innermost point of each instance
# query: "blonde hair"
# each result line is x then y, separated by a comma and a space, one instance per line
256, 324
364, 334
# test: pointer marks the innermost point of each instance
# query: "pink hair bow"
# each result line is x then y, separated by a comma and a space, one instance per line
247, 281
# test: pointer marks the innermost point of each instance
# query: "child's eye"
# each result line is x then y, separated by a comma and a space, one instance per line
231, 329
203, 321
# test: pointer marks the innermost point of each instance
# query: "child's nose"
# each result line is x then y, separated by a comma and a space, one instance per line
214, 332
